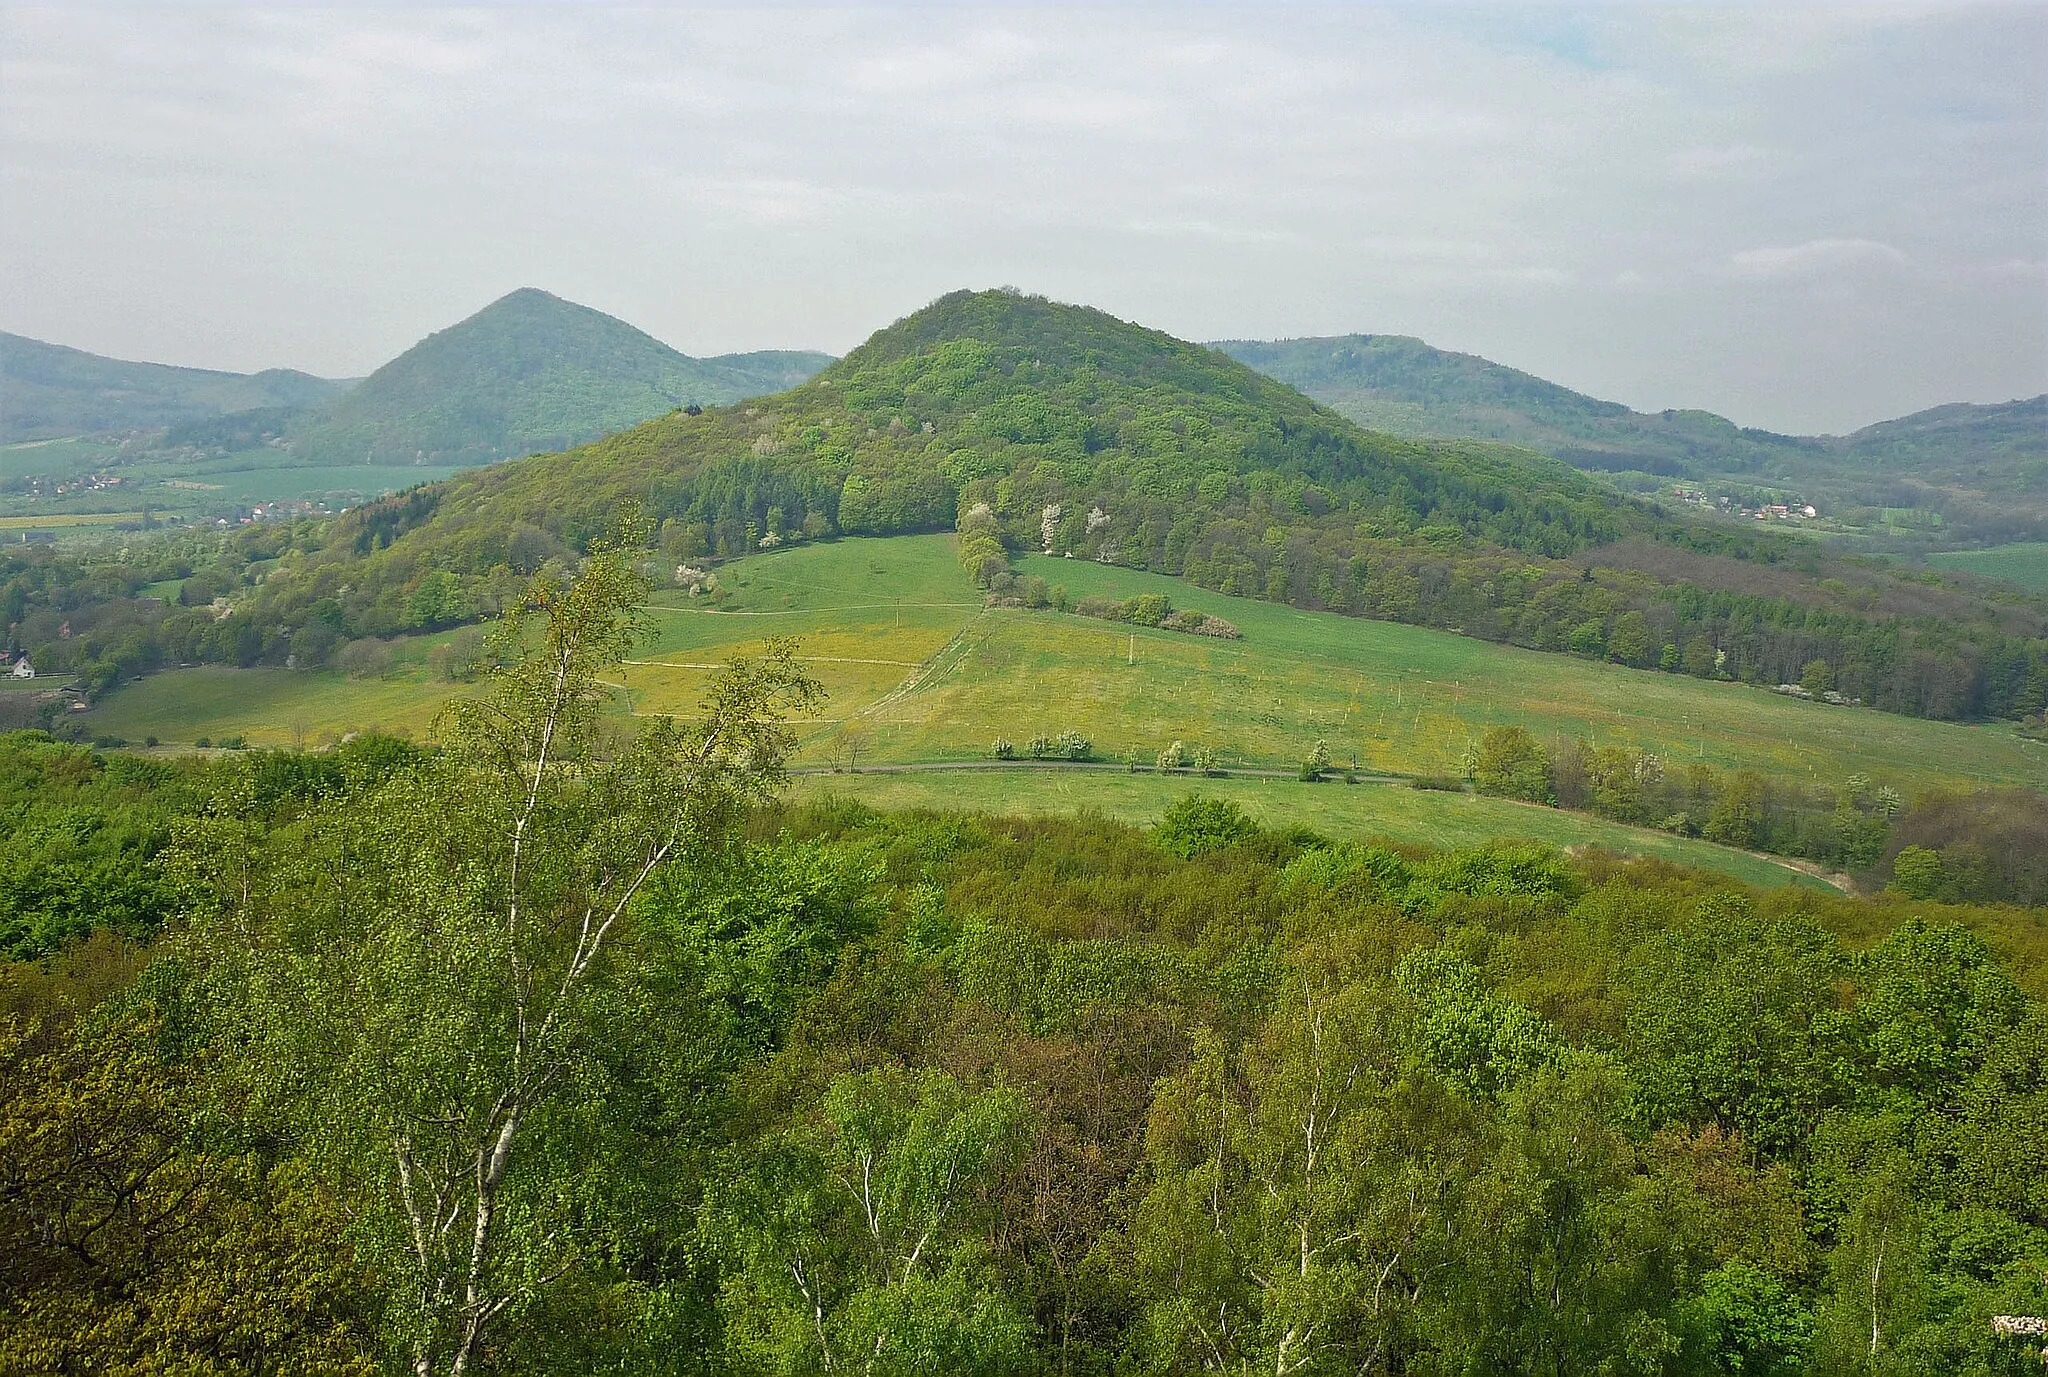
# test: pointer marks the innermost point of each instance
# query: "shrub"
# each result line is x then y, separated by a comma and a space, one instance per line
1039, 747
1512, 765
1003, 749
1197, 825
1174, 757
1073, 746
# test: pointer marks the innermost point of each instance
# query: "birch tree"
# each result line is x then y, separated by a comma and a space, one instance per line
431, 980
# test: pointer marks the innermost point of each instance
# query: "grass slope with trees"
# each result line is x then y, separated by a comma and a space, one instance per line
561, 1052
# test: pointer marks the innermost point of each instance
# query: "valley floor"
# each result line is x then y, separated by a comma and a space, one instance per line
918, 670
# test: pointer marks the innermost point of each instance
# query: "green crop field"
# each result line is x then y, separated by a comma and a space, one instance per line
2024, 563
53, 457
279, 707
52, 521
1346, 812
272, 482
1399, 698
918, 670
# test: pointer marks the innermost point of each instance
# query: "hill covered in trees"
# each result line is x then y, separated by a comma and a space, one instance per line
528, 373
48, 391
1982, 467
1083, 435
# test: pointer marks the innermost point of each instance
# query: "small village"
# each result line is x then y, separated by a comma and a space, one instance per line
1770, 511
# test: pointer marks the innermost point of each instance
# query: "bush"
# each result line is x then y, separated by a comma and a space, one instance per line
459, 657
367, 658
1448, 784
1916, 873
1196, 825
1073, 746
1003, 749
1039, 747
1174, 757
1512, 765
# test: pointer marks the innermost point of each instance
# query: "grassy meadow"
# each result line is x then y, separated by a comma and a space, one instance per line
2023, 562
918, 670
1390, 812
279, 707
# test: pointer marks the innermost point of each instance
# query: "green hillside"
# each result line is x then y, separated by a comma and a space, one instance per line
1085, 435
1983, 468
1062, 430
528, 373
2024, 563
48, 391
920, 671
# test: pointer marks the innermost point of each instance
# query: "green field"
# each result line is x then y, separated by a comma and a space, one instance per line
37, 457
278, 707
1383, 811
54, 521
2024, 563
1399, 698
918, 670
188, 490
227, 485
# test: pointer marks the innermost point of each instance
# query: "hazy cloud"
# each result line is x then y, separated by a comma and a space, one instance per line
1816, 257
1806, 218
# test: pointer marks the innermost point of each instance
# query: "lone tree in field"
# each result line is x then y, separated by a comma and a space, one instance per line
434, 979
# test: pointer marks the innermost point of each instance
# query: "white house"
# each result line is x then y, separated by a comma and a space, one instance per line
23, 669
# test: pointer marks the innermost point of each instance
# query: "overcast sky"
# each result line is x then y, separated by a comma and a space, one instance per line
1807, 219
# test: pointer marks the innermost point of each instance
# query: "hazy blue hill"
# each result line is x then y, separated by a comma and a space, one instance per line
48, 390
2003, 446
1398, 383
769, 370
1984, 468
528, 373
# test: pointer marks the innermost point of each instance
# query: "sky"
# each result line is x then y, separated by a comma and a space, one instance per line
1803, 218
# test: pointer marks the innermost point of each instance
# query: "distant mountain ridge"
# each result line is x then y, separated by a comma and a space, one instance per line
1986, 464
48, 391
529, 373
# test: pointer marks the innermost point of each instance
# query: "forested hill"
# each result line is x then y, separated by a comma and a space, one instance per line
1037, 426
1983, 466
1136, 439
48, 390
528, 373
